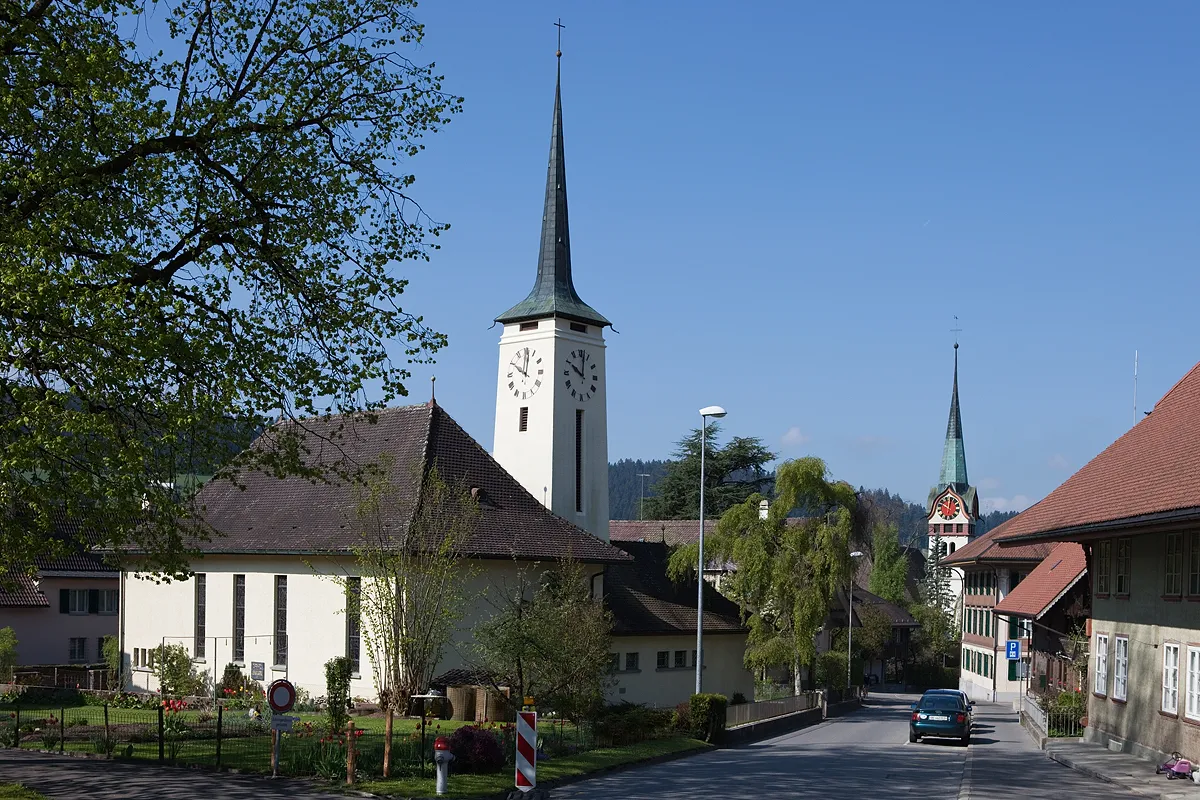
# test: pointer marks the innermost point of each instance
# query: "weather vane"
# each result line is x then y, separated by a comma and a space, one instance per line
956, 331
560, 27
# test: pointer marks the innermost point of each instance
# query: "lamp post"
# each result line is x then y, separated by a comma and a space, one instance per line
850, 618
642, 494
716, 412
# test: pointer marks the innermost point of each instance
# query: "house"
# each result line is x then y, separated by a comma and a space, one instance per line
62, 613
990, 573
1135, 510
1052, 603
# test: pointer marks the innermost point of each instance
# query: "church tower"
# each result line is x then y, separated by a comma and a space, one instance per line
551, 416
953, 504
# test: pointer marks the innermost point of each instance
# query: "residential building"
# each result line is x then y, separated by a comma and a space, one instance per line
1135, 509
990, 573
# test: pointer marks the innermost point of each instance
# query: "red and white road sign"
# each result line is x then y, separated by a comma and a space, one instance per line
281, 696
526, 750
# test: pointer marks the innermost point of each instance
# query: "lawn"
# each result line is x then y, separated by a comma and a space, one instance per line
15, 791
553, 769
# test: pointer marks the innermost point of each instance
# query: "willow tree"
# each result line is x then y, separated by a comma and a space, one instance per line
202, 209
787, 571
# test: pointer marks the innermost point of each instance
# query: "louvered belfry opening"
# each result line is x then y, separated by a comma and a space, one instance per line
579, 459
523, 422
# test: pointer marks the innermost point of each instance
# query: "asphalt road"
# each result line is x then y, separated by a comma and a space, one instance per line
862, 755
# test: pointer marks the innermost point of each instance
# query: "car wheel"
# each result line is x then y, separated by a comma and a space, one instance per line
912, 736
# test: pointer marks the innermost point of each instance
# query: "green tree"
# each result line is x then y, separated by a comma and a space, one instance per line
731, 474
889, 567
8, 653
935, 588
548, 638
192, 240
177, 675
788, 570
110, 651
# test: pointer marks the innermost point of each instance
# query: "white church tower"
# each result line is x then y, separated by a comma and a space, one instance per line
551, 399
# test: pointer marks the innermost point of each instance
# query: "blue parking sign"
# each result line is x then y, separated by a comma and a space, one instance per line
1014, 650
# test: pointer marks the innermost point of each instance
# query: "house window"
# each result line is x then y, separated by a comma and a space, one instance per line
1170, 679
631, 662
1173, 583
77, 601
354, 623
681, 658
664, 659
1122, 568
239, 618
1101, 687
523, 419
201, 605
1192, 709
110, 600
1120, 667
281, 650
1194, 563
1103, 566
78, 649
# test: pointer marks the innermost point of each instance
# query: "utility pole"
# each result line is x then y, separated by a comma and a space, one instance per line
642, 495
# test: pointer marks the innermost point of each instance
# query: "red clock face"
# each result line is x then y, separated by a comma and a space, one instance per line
948, 508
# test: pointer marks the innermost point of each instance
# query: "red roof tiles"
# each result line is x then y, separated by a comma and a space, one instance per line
1154, 468
1048, 581
986, 548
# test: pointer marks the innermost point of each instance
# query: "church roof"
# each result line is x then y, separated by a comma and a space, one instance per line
298, 515
643, 600
553, 293
1151, 475
954, 454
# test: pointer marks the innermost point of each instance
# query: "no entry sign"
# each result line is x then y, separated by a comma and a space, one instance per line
281, 696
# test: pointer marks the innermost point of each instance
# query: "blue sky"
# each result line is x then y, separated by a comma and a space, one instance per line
782, 207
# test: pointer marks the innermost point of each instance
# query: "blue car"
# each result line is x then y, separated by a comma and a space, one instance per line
943, 716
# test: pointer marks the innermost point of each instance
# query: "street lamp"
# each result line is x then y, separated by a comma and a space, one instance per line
716, 412
642, 495
850, 618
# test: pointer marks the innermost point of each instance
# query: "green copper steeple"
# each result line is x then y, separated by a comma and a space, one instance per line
553, 293
954, 454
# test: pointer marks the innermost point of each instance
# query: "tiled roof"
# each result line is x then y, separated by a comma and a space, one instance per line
644, 600
986, 548
899, 616
296, 515
672, 531
22, 592
1048, 581
1152, 470
78, 562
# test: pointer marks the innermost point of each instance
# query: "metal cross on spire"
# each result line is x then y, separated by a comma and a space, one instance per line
956, 331
560, 27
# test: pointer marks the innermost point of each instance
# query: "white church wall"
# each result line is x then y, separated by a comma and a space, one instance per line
724, 672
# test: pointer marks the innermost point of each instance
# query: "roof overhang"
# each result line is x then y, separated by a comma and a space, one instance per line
1158, 522
999, 609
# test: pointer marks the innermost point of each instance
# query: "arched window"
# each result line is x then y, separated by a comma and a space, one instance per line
952, 547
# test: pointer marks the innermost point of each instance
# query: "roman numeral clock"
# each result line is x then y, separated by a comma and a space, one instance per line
581, 374
525, 373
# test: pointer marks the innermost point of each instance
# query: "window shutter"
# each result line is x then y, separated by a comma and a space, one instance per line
1013, 630
93, 601
1012, 670
64, 601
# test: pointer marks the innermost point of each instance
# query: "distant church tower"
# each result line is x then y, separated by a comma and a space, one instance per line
953, 504
551, 415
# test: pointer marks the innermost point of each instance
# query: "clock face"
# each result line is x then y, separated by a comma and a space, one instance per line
948, 508
581, 374
525, 372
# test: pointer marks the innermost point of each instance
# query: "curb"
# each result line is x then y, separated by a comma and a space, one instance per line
1141, 791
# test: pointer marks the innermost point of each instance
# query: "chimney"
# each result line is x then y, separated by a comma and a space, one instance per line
763, 508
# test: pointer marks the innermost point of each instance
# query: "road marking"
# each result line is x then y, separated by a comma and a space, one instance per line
964, 788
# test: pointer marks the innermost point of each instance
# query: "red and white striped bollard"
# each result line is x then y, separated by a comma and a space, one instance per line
527, 747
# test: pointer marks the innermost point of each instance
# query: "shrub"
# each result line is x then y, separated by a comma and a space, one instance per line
625, 723
177, 675
476, 750
236, 690
708, 716
737, 699
337, 690
8, 654
681, 719
49, 739
104, 744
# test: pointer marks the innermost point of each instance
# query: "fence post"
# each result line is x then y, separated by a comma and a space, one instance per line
108, 744
350, 753
220, 708
17, 729
161, 755
62, 729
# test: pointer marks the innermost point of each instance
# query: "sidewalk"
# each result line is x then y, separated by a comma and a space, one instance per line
1122, 769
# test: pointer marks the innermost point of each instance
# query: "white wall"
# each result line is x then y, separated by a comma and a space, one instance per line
724, 672
542, 458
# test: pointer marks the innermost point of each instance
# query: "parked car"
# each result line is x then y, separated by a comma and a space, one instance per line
958, 693
943, 716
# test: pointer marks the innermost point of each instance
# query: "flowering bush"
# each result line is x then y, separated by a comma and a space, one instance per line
476, 750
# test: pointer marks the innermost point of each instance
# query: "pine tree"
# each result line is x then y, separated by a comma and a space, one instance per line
936, 588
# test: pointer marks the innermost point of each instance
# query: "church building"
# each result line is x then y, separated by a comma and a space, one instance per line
267, 591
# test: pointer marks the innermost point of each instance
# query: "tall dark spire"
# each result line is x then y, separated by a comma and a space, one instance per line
954, 454
553, 291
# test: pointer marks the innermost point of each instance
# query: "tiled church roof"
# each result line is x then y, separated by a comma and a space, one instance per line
296, 515
1150, 472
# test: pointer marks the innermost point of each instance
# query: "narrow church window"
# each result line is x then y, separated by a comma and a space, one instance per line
281, 620
529, 326
201, 596
353, 623
579, 459
579, 327
239, 618
523, 423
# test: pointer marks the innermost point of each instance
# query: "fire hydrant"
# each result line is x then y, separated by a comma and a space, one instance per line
442, 758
